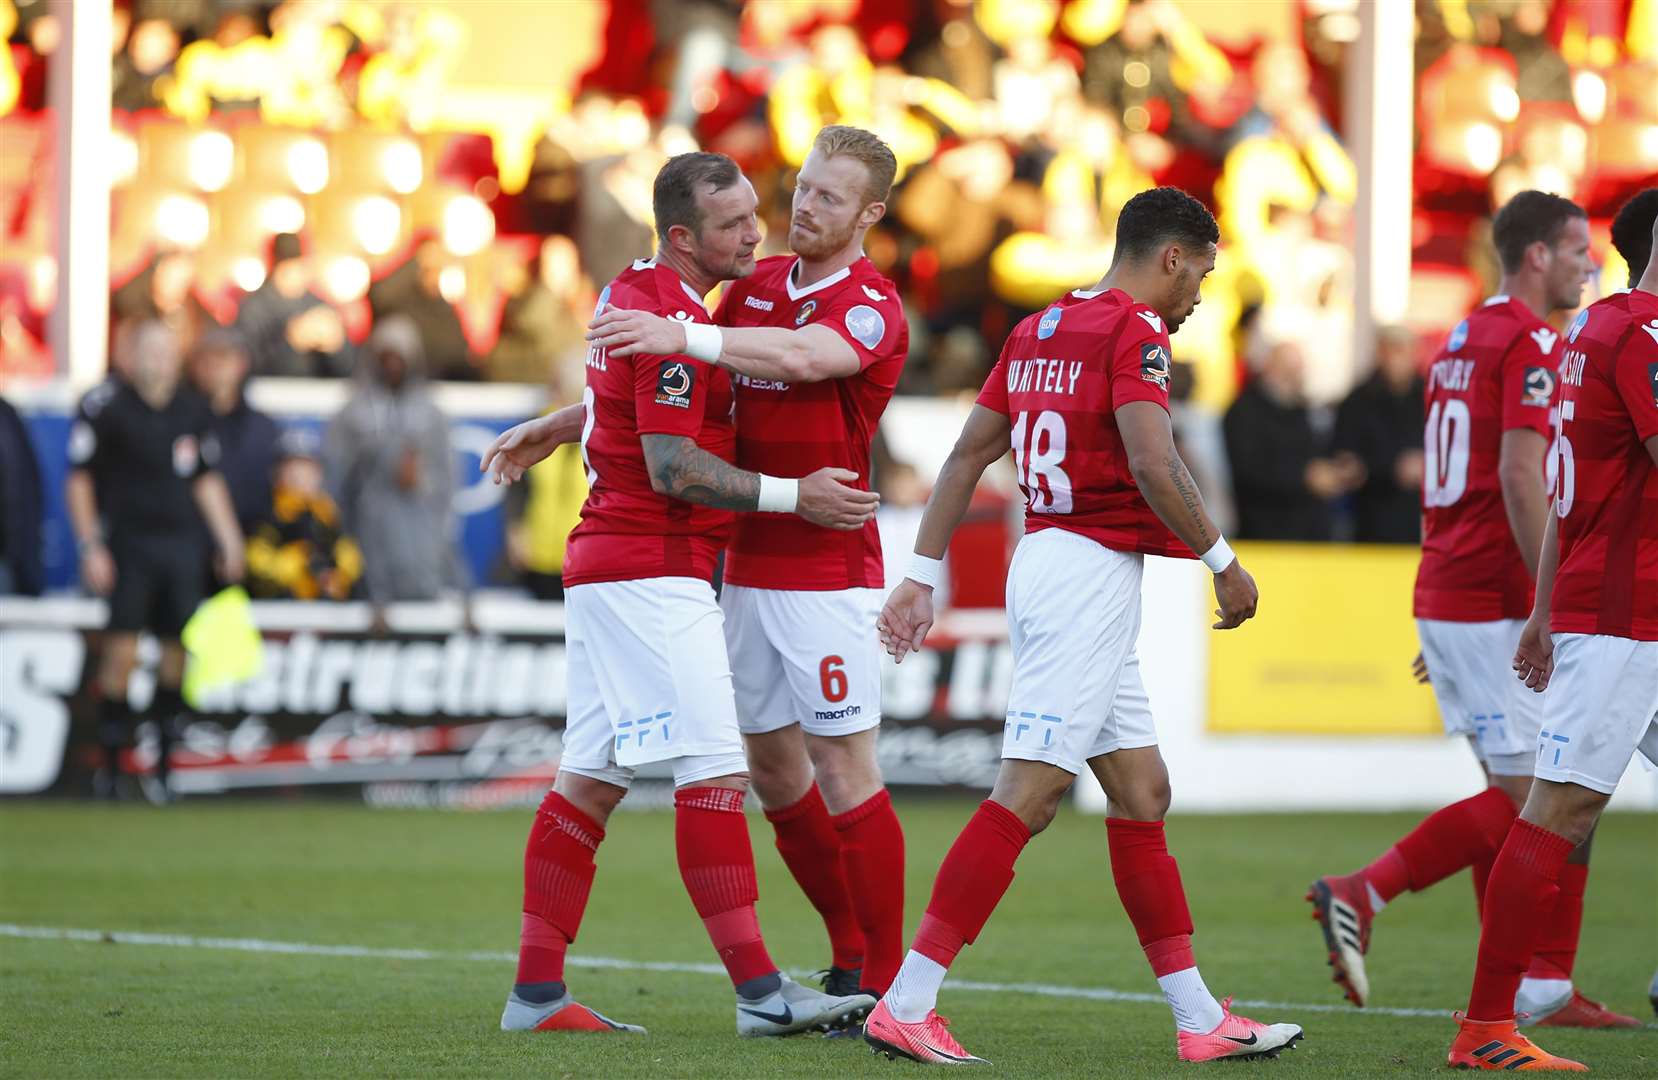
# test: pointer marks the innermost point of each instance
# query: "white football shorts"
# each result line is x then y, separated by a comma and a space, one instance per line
648, 681
1601, 706
1073, 612
803, 657
1471, 667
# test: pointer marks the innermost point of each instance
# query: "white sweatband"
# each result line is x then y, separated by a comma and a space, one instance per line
777, 496
1219, 557
703, 342
924, 571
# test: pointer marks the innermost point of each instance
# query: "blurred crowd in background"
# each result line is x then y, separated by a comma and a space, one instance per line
299, 190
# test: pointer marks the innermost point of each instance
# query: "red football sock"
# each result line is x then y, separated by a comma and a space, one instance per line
1148, 881
872, 853
716, 863
971, 881
1481, 873
1450, 838
558, 875
811, 849
1522, 893
1557, 948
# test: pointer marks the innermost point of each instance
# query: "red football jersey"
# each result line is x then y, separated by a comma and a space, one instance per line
1607, 494
628, 531
1061, 376
1498, 370
792, 430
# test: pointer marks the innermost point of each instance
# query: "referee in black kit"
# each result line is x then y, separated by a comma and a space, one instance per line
141, 483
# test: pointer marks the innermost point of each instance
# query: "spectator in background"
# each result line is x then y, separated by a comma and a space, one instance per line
390, 463
152, 47
218, 368
1281, 478
415, 290
1379, 430
22, 506
903, 498
290, 330
165, 291
1202, 445
545, 316
297, 550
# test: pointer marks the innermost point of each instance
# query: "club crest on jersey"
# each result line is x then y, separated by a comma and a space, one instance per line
866, 326
1154, 364
1459, 336
674, 380
1049, 322
185, 455
1578, 324
805, 312
1539, 387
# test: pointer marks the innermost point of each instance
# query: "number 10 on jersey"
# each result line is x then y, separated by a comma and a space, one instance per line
1038, 454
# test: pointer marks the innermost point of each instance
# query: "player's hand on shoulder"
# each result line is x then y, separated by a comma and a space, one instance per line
1534, 657
825, 499
622, 332
1237, 595
905, 619
518, 448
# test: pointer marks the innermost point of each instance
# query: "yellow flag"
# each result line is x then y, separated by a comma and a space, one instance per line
223, 643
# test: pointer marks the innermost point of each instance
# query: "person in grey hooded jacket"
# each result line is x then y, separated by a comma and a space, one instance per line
392, 469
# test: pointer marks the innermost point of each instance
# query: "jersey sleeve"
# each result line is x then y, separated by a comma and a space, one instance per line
1531, 381
1140, 367
871, 320
1635, 374
994, 394
669, 394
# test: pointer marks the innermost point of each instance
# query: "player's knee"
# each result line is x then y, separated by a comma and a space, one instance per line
846, 771
1567, 810
595, 798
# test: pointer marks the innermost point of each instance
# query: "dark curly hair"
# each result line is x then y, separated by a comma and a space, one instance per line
1531, 217
1632, 231
1162, 216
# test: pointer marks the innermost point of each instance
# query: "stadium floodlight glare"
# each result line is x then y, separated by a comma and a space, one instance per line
123, 158
1483, 145
212, 159
182, 220
1589, 95
248, 273
400, 163
467, 225
308, 165
376, 221
346, 278
282, 214
1505, 102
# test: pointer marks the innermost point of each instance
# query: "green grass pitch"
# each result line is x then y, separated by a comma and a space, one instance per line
448, 884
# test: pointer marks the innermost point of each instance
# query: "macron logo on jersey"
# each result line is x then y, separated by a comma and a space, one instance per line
756, 302
1152, 321
872, 294
1545, 339
1652, 329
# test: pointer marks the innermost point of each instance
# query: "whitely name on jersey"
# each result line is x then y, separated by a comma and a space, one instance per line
1041, 376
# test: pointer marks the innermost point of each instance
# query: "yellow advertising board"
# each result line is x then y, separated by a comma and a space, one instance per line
1330, 650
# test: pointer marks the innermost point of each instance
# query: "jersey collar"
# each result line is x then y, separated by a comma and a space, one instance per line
823, 283
651, 264
1500, 298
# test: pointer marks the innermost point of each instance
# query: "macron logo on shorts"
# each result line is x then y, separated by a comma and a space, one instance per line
838, 714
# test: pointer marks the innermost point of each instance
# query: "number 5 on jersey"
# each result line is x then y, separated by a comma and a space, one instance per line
1038, 452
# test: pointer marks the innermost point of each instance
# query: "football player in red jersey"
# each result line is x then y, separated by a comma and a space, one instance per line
1591, 639
815, 345
1492, 400
649, 678
1081, 394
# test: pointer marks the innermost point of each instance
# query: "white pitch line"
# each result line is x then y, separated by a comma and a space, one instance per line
299, 948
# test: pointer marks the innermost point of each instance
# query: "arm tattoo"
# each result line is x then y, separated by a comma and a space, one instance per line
689, 472
1186, 488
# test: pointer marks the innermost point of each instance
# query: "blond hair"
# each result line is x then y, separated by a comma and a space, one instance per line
866, 148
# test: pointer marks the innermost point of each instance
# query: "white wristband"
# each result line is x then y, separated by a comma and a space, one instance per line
1219, 557
703, 342
777, 496
925, 571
